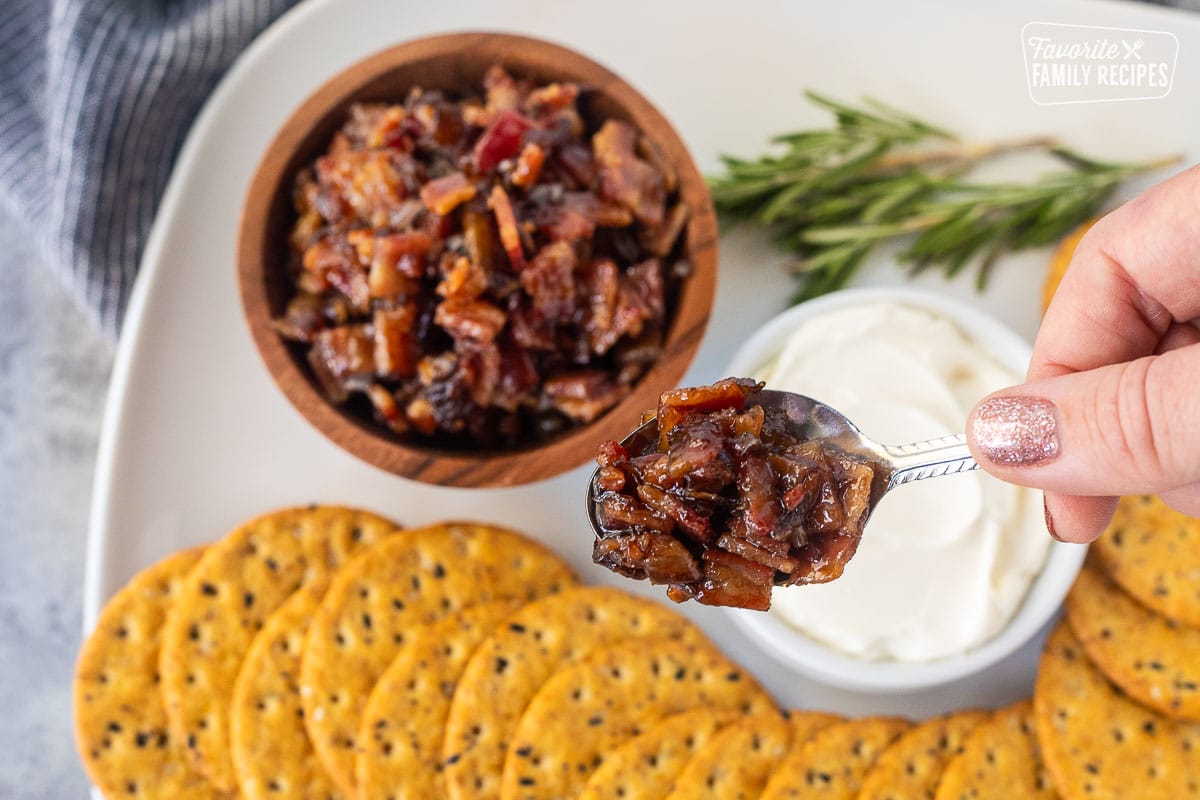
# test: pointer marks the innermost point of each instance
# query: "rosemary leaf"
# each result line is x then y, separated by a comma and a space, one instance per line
880, 175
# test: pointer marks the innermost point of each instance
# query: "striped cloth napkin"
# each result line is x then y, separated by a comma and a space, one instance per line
95, 99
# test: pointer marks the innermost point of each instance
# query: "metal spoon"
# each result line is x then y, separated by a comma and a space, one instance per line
814, 421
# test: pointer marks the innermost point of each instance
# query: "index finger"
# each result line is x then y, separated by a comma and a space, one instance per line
1133, 275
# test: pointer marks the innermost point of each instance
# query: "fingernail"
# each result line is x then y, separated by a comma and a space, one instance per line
1050, 520
1016, 431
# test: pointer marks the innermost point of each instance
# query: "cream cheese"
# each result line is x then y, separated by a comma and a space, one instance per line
943, 564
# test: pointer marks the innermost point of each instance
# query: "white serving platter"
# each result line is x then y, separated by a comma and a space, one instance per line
196, 437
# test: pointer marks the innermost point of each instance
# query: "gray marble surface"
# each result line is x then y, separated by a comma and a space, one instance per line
54, 370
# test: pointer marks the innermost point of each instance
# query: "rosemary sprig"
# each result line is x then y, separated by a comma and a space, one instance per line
879, 175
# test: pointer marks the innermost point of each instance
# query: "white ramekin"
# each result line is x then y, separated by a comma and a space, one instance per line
817, 660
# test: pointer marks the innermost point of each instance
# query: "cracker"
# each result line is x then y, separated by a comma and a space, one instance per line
645, 767
1153, 552
587, 710
404, 722
382, 596
911, 768
1061, 260
536, 642
805, 724
236, 586
741, 758
271, 752
1154, 660
1097, 742
120, 722
834, 761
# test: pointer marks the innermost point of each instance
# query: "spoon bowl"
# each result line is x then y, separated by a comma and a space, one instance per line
810, 420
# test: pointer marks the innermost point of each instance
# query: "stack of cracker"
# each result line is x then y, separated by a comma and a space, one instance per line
1117, 699
325, 653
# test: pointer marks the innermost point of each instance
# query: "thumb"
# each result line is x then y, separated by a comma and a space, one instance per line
1130, 428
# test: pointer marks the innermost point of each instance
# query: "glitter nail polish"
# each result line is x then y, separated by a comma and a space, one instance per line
1016, 431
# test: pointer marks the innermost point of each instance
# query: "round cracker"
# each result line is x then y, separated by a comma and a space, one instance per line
911, 768
1061, 260
1154, 660
239, 582
1001, 754
740, 759
834, 761
1097, 742
539, 639
271, 751
380, 597
587, 710
645, 767
1153, 552
404, 721
120, 721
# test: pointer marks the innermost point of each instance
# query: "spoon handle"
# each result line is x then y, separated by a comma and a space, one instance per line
946, 455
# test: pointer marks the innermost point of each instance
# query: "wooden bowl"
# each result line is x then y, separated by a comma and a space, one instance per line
457, 62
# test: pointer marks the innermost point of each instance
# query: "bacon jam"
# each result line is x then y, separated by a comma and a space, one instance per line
721, 502
487, 269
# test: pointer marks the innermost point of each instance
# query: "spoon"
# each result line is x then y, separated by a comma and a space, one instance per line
810, 420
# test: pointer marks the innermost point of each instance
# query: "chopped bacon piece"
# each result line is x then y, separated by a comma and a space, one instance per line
302, 319
340, 356
470, 319
626, 178
506, 222
397, 263
529, 166
550, 280
552, 97
729, 580
395, 345
464, 280
583, 395
443, 195
504, 92
369, 183
659, 241
335, 263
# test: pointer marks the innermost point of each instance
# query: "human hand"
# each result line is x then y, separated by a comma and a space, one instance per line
1111, 403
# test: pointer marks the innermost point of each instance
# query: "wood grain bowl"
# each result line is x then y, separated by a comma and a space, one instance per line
457, 63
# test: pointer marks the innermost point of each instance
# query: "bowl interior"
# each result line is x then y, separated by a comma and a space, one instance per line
457, 63
814, 658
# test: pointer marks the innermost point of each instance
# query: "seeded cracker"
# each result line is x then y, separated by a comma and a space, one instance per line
740, 759
1153, 552
1154, 660
236, 586
645, 767
120, 723
271, 751
1097, 742
375, 603
834, 761
587, 710
911, 768
404, 723
540, 639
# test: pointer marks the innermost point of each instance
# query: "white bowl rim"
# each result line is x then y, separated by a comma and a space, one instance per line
1063, 562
